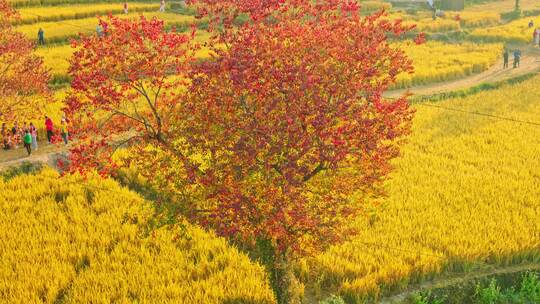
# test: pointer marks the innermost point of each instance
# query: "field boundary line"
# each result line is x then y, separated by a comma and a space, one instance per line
457, 279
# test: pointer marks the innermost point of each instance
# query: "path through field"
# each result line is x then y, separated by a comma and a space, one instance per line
463, 278
44, 155
530, 63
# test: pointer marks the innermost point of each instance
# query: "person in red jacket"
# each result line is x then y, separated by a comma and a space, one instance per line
49, 126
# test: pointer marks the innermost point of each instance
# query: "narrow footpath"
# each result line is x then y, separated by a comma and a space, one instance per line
530, 63
458, 279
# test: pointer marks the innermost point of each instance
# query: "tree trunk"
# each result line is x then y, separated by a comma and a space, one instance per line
287, 288
517, 6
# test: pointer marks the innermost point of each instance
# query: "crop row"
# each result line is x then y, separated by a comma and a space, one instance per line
77, 11
27, 3
517, 31
56, 58
61, 32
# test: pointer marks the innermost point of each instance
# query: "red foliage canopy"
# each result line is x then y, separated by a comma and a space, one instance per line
292, 122
281, 137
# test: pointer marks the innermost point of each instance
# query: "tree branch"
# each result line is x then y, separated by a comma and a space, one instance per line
315, 171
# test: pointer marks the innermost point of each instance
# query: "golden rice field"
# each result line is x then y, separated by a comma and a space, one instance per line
466, 190
61, 32
453, 61
449, 23
56, 57
30, 15
24, 3
458, 60
437, 61
69, 240
470, 19
373, 5
516, 31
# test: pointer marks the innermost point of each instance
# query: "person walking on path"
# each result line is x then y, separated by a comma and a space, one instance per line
64, 131
49, 127
41, 37
517, 58
536, 36
34, 134
125, 7
505, 58
162, 6
27, 139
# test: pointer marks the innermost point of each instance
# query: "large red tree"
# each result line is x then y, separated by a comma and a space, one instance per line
277, 142
295, 131
22, 73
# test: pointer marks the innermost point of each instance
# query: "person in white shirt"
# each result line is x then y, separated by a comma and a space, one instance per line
162, 6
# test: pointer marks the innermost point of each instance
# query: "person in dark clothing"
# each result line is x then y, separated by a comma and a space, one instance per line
41, 37
5, 136
517, 58
15, 135
505, 57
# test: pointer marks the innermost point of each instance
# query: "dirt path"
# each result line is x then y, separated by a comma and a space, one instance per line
45, 157
446, 282
530, 63
45, 154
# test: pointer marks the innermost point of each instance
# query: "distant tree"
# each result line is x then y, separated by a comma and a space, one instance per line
277, 142
22, 73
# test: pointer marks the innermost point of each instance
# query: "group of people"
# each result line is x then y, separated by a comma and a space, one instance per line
517, 58
27, 134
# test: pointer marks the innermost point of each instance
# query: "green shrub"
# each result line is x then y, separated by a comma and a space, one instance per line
529, 292
490, 294
25, 167
333, 299
530, 287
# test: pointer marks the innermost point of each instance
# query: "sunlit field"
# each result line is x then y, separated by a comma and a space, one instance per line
462, 196
464, 193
